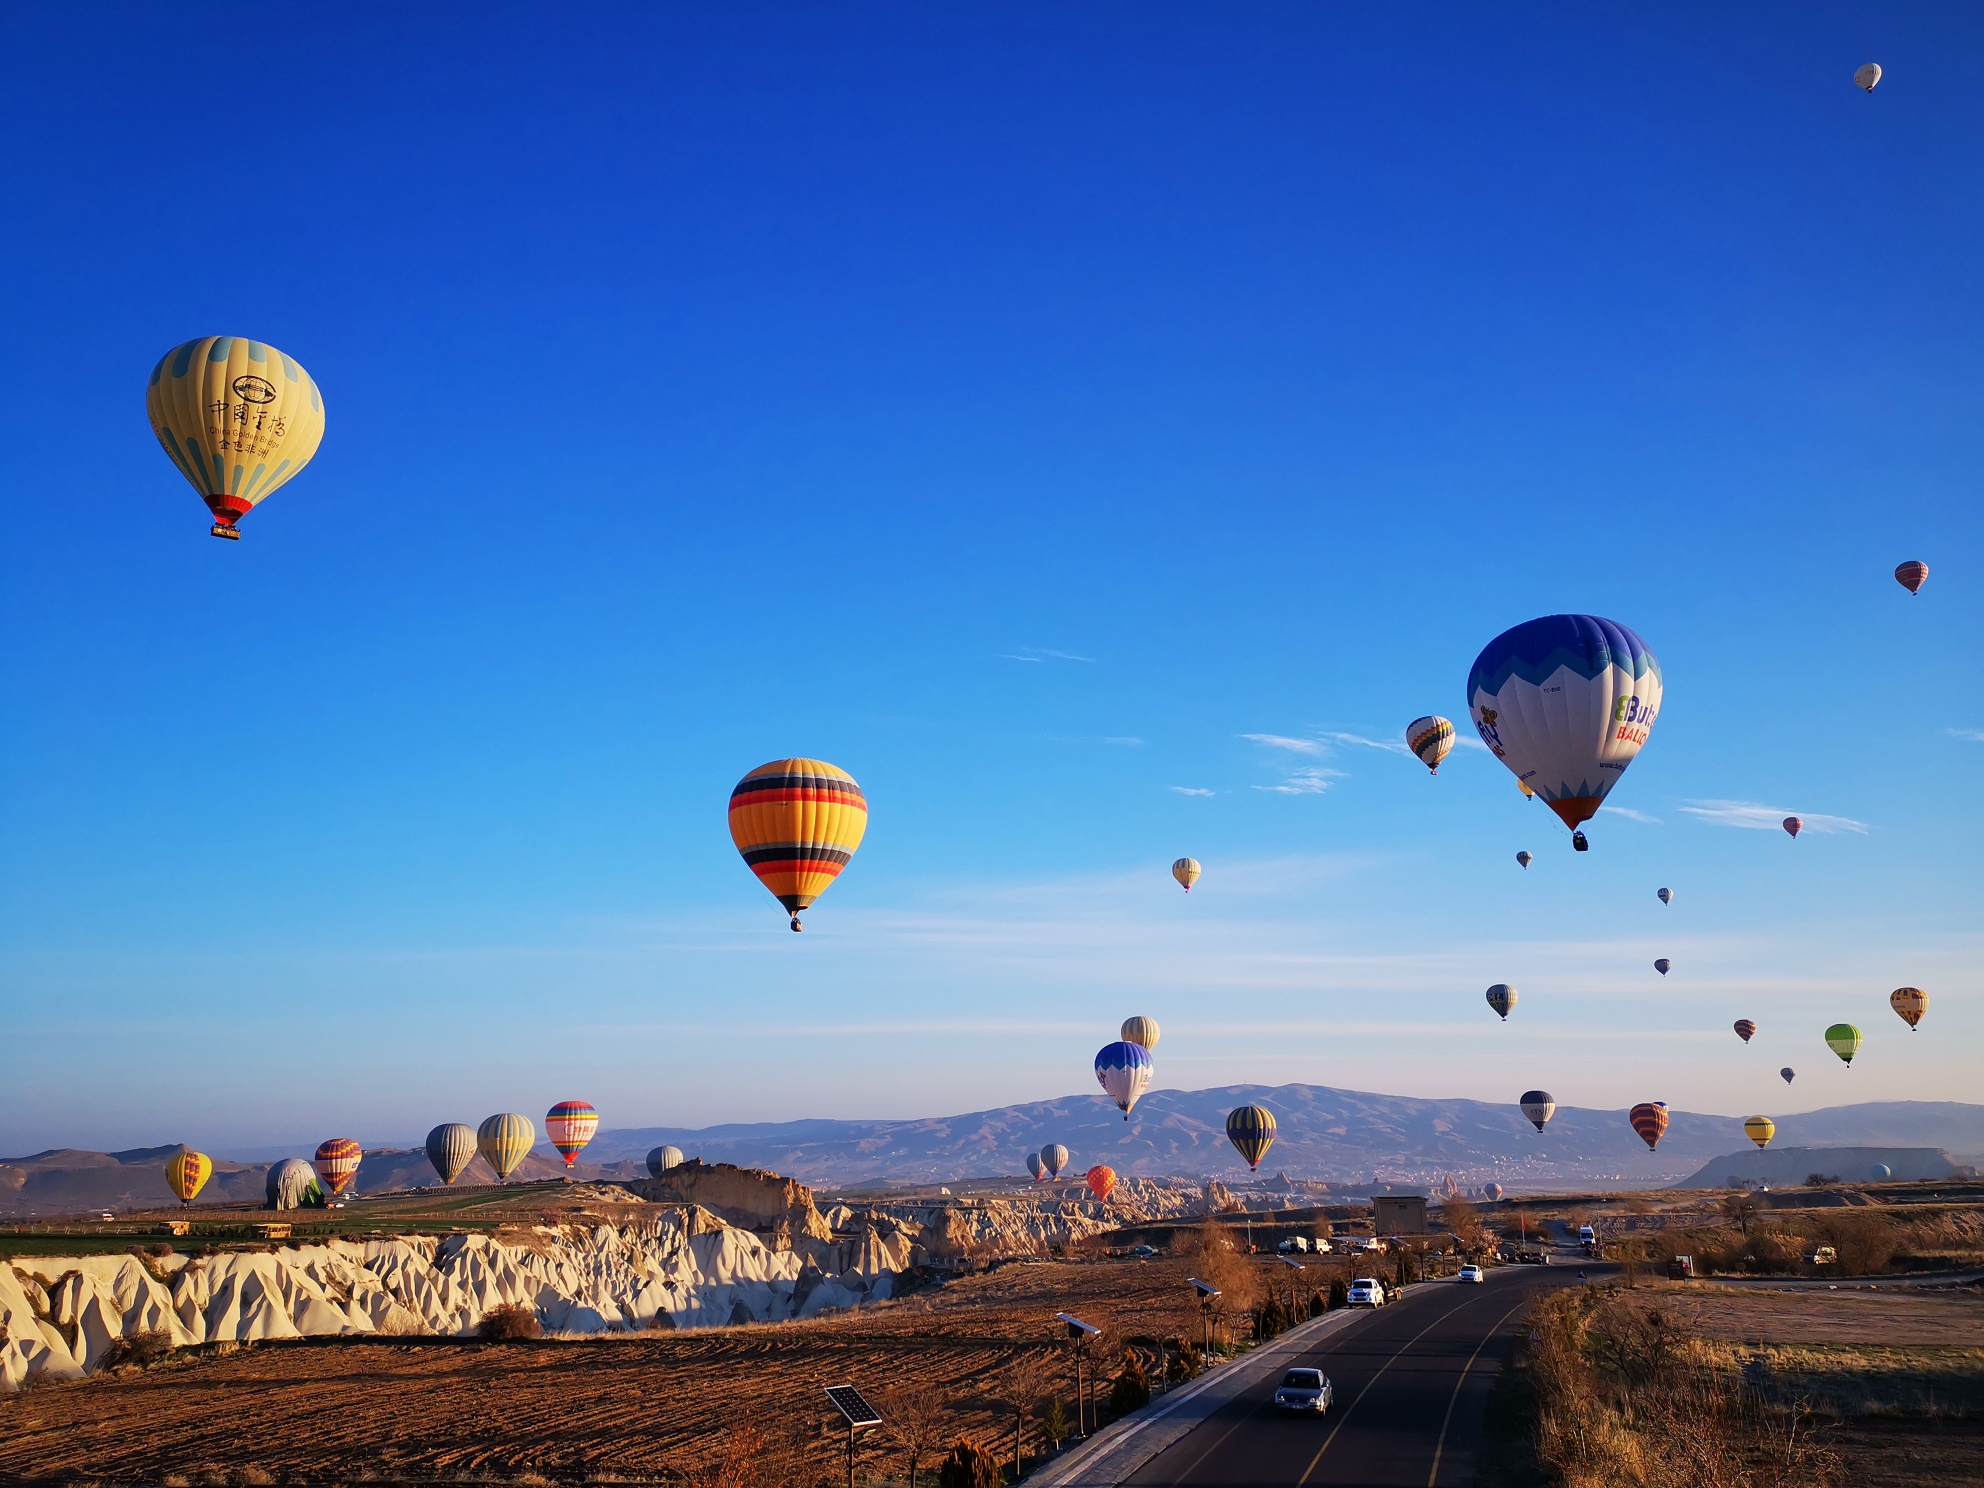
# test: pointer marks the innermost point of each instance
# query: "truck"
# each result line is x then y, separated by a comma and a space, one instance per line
1681, 1268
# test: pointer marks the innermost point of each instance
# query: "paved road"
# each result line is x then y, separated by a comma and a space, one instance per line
1412, 1382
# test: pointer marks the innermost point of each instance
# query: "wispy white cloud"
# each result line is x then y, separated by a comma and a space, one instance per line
1390, 746
1131, 740
1193, 790
1311, 780
1007, 656
1631, 815
1762, 818
1044, 653
1468, 741
1975, 736
1282, 741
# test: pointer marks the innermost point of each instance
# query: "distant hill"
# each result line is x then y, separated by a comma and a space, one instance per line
1340, 1136
1786, 1166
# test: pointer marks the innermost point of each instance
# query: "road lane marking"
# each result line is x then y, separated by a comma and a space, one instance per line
1440, 1447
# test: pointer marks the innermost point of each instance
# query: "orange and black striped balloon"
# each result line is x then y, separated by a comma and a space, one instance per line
1912, 575
1649, 1119
797, 822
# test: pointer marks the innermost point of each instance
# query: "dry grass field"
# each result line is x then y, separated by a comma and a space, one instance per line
649, 1406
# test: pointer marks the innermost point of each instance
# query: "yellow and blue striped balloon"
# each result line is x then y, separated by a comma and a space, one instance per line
1251, 1131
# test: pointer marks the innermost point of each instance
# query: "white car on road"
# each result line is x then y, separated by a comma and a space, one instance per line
1471, 1273
1367, 1291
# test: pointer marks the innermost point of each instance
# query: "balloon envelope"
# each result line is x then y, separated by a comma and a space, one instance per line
1866, 75
1666, 895
1909, 1003
1251, 1131
661, 1159
1663, 966
337, 1164
1493, 1191
1186, 871
1882, 1172
1760, 1129
503, 1140
1911, 576
451, 1148
1566, 702
237, 417
797, 822
1524, 859
1502, 997
1539, 1106
1055, 1156
1035, 1166
1745, 1029
188, 1171
1787, 1074
1793, 825
1141, 1031
289, 1183
570, 1125
1123, 1070
1649, 1119
1101, 1181
1432, 739
1844, 1040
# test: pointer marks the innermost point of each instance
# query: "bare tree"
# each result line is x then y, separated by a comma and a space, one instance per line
913, 1417
1020, 1385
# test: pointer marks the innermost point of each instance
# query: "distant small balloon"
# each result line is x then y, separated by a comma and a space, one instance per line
1882, 1172
1539, 1106
188, 1171
1054, 1157
1525, 859
1866, 76
1101, 1181
1793, 825
1911, 576
1909, 1004
1788, 1074
1666, 896
1844, 1040
661, 1159
1649, 1119
1663, 966
1745, 1029
570, 1125
1187, 872
1123, 1071
1760, 1129
450, 1148
1035, 1166
1432, 739
1502, 997
337, 1164
1523, 786
1141, 1031
1493, 1192
1251, 1131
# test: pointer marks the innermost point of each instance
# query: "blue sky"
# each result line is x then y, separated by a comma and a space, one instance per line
1084, 424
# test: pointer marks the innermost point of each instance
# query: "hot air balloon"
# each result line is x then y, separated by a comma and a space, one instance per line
570, 1125
1523, 786
289, 1184
1844, 1040
1101, 1182
1251, 1131
1745, 1029
1055, 1157
1666, 896
1140, 1031
1787, 1074
1186, 871
337, 1164
797, 822
1524, 859
1035, 1166
1882, 1172
1432, 739
1760, 1129
1493, 1192
237, 417
1123, 1070
1571, 742
1539, 1106
1793, 825
188, 1171
1866, 75
451, 1148
1911, 576
661, 1159
1909, 1003
504, 1140
1502, 997
1663, 966
1649, 1119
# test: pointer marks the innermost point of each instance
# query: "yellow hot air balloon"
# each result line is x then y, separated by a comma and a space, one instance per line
797, 822
503, 1141
188, 1171
1186, 871
1140, 1031
237, 417
1909, 1003
1760, 1129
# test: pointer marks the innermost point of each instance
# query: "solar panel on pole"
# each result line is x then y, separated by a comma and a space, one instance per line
850, 1403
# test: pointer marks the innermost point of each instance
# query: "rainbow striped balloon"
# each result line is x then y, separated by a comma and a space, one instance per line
570, 1125
337, 1164
797, 822
1431, 738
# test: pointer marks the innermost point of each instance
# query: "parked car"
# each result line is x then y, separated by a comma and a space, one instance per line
1296, 1245
1305, 1390
1825, 1255
1367, 1291
1143, 1252
1471, 1273
1681, 1268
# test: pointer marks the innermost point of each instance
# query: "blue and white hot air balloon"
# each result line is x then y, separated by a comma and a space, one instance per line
1566, 702
1123, 1070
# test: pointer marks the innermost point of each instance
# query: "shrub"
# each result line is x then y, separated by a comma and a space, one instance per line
1339, 1293
1271, 1318
1186, 1362
511, 1320
969, 1466
1319, 1303
147, 1346
1131, 1392
1054, 1423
